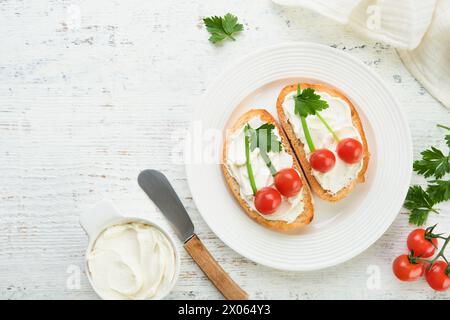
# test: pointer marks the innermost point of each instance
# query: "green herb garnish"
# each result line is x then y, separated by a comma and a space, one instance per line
433, 163
421, 202
447, 137
307, 102
265, 139
221, 28
439, 190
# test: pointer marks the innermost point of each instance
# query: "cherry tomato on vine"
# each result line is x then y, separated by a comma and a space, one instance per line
267, 200
407, 270
322, 160
288, 182
420, 245
350, 150
438, 276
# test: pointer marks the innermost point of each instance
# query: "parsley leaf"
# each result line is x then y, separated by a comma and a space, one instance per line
447, 137
221, 28
264, 138
439, 190
420, 204
433, 162
230, 24
217, 37
307, 102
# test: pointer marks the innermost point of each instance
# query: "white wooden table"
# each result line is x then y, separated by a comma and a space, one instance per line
90, 90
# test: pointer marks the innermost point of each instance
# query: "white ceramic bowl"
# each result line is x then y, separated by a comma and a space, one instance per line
104, 215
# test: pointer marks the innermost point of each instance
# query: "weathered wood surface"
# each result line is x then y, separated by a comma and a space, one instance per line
89, 91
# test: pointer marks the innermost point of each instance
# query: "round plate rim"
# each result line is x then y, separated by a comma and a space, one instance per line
405, 125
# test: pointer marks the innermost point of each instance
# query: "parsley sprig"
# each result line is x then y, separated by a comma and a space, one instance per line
221, 28
434, 163
265, 139
439, 190
307, 102
420, 204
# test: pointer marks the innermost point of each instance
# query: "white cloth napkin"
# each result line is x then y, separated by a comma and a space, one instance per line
419, 29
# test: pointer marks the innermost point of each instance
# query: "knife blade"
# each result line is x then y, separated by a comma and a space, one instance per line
160, 191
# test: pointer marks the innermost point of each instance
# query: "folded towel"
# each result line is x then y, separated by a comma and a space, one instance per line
419, 29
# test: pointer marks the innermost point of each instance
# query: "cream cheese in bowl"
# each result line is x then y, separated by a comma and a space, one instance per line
132, 261
128, 257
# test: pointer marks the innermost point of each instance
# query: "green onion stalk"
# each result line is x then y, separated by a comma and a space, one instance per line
251, 177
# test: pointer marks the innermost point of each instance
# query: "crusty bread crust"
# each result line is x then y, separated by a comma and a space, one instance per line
281, 226
298, 146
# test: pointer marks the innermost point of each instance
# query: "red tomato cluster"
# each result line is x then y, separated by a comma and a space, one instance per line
412, 267
287, 183
420, 245
349, 150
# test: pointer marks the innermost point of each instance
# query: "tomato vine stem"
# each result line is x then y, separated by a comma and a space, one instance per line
441, 253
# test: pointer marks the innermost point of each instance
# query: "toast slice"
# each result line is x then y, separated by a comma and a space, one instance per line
304, 217
298, 146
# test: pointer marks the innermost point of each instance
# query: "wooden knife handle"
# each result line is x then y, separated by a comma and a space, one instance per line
213, 270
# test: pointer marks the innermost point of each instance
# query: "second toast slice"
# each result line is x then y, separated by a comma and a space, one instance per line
340, 181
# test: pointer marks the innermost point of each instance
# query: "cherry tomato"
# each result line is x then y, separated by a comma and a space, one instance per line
438, 276
267, 200
350, 150
421, 246
406, 270
288, 182
322, 160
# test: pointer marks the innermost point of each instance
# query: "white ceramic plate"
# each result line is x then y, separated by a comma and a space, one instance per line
339, 231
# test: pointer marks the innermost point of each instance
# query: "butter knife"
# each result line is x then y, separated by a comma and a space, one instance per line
160, 191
